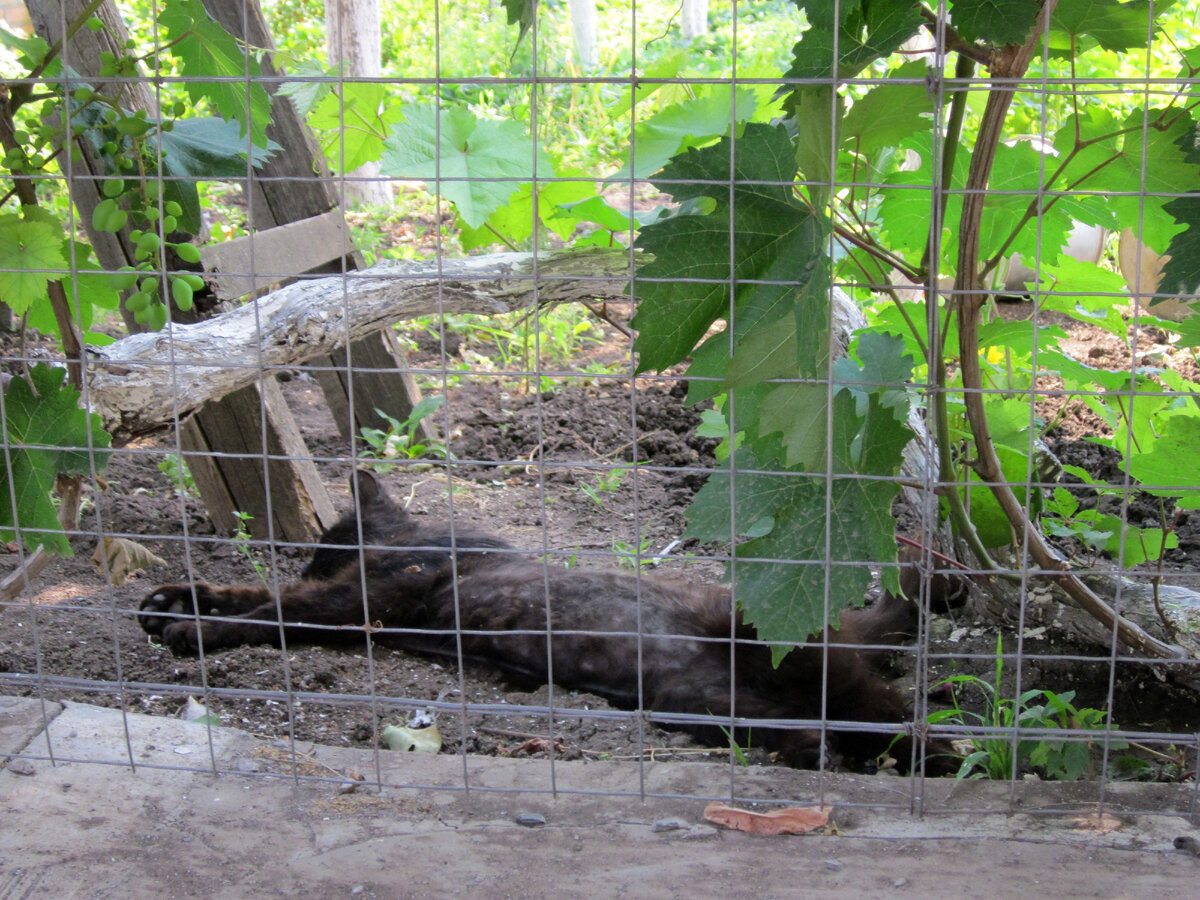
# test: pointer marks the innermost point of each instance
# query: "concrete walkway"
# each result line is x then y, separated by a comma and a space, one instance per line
273, 825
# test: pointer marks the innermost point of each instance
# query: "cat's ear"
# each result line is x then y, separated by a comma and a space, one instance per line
364, 487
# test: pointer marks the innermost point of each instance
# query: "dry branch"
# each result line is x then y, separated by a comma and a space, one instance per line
142, 382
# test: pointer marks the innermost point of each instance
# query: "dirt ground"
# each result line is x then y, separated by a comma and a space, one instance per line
553, 472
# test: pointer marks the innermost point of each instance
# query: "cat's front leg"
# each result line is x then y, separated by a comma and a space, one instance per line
168, 613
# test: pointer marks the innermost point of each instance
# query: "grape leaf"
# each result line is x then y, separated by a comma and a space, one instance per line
785, 512
205, 149
906, 201
775, 248
1093, 294
32, 50
514, 221
781, 576
1181, 274
1171, 468
90, 288
1115, 25
477, 164
865, 35
721, 513
352, 121
799, 413
995, 21
1017, 175
27, 248
47, 434
690, 123
306, 94
205, 49
520, 12
890, 112
1092, 160
1166, 172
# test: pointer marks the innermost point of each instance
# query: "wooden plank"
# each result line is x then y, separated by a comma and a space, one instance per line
276, 256
223, 447
379, 383
294, 183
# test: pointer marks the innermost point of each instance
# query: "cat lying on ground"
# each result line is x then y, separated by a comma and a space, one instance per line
412, 582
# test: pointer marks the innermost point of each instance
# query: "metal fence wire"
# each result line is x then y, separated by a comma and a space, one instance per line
555, 509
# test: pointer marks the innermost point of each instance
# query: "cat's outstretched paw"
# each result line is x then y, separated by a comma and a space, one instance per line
169, 602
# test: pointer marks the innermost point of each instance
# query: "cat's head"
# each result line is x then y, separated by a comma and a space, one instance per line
372, 519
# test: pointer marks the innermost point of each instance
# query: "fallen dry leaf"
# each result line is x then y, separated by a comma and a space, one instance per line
793, 820
531, 746
124, 558
1097, 823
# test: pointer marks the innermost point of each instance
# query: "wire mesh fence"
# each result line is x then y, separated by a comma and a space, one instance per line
660, 355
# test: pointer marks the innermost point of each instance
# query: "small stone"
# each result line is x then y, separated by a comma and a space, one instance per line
530, 820
247, 766
833, 865
900, 882
348, 787
699, 833
22, 767
669, 825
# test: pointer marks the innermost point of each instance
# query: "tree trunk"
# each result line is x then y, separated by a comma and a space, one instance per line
585, 24
695, 19
354, 41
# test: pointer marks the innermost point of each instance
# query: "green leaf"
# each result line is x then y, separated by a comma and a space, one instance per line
1092, 294
514, 221
305, 95
205, 49
597, 209
1020, 336
47, 434
32, 49
786, 600
520, 12
820, 109
889, 112
209, 148
1188, 330
864, 36
767, 243
799, 412
1181, 274
1017, 176
906, 201
1172, 466
741, 504
1159, 159
26, 248
204, 149
1115, 25
89, 289
477, 164
354, 121
691, 123
995, 21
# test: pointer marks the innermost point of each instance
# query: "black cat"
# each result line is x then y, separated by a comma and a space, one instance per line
423, 582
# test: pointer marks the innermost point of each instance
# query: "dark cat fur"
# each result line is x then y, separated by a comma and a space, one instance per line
412, 582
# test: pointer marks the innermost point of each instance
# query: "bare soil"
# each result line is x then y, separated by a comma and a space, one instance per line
553, 471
